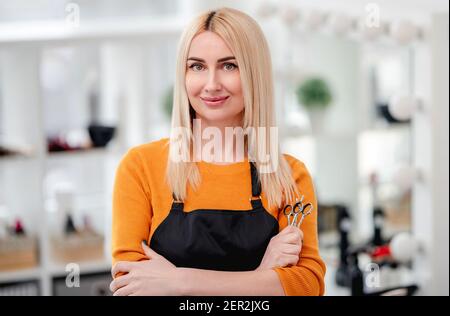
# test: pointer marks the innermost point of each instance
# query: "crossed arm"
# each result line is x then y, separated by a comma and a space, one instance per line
157, 276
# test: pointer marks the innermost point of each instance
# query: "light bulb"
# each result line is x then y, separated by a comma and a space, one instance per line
289, 15
315, 19
402, 107
266, 10
341, 23
403, 246
404, 31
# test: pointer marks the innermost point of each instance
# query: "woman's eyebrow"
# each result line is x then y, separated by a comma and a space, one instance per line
218, 60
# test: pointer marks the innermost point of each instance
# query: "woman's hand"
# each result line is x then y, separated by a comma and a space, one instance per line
156, 276
283, 249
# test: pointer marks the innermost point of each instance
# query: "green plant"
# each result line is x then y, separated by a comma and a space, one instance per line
314, 93
168, 101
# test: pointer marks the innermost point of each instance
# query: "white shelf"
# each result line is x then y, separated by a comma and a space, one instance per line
59, 269
16, 158
94, 152
20, 275
82, 153
44, 32
54, 269
400, 127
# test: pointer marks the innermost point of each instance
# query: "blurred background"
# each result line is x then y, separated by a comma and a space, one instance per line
361, 97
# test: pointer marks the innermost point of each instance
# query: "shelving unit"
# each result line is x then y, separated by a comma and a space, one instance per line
20, 275
336, 154
125, 50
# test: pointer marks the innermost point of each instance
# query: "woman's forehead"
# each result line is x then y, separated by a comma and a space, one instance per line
209, 45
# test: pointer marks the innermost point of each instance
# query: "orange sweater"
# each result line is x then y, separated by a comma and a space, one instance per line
142, 200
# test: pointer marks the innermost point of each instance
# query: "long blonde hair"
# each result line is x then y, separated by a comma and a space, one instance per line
248, 44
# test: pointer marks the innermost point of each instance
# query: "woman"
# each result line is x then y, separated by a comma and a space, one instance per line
186, 221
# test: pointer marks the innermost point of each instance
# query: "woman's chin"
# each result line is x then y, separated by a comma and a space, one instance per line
214, 117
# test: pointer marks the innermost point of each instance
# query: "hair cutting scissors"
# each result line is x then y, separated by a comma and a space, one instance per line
292, 212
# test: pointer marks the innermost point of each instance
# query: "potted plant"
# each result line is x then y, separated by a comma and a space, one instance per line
315, 95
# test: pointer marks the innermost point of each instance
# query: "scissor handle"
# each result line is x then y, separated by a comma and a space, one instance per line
309, 207
285, 212
298, 207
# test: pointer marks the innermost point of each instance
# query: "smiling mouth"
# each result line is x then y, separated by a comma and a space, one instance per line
215, 101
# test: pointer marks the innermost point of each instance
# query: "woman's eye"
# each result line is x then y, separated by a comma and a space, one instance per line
196, 67
230, 66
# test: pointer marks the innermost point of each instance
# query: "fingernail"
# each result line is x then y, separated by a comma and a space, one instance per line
144, 242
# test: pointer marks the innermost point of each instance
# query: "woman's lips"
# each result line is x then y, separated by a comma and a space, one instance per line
215, 101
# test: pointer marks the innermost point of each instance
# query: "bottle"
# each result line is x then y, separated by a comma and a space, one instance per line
356, 276
344, 225
18, 228
70, 226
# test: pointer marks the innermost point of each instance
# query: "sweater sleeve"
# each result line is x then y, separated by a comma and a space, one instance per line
307, 277
132, 211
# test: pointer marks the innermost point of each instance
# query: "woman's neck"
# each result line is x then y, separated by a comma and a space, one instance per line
219, 137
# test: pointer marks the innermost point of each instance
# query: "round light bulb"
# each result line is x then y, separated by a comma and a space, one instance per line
314, 19
404, 31
266, 10
402, 107
403, 247
341, 24
289, 15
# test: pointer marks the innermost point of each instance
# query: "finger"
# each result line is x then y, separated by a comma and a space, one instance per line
119, 282
292, 238
150, 253
124, 291
288, 229
298, 234
121, 266
292, 230
290, 249
290, 260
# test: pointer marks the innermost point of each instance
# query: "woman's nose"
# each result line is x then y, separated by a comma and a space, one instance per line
213, 83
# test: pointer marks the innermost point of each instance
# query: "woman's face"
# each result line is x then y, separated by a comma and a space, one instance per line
213, 83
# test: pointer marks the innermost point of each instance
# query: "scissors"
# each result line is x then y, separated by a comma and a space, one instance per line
293, 212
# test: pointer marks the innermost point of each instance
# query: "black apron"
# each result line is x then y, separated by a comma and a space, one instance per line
212, 239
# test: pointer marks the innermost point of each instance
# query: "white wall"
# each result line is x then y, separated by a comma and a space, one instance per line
440, 160
431, 158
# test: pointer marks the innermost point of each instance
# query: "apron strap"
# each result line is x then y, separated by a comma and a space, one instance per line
255, 200
256, 184
179, 205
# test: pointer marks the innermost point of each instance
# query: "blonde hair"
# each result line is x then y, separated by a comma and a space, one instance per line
248, 44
